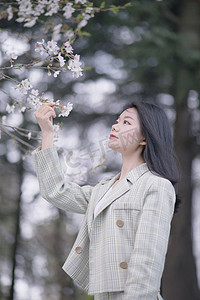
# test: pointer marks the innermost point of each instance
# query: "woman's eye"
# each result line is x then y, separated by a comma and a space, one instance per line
126, 121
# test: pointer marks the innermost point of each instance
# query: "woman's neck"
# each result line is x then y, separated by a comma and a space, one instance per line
129, 163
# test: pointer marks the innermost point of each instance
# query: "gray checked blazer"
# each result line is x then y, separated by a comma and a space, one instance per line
124, 247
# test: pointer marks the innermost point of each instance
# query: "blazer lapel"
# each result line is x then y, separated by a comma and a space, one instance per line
103, 188
117, 191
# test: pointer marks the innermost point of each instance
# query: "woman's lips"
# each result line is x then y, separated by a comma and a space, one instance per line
113, 136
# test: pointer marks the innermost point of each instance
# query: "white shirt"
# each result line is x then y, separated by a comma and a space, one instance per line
101, 201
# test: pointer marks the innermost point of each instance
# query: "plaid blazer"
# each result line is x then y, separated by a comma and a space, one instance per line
124, 247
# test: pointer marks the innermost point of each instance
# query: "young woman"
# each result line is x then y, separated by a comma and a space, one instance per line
120, 251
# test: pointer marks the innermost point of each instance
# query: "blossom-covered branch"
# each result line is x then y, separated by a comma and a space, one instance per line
61, 20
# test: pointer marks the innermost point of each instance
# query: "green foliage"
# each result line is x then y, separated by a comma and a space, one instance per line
102, 4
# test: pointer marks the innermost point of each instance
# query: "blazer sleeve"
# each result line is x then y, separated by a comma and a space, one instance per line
68, 196
147, 260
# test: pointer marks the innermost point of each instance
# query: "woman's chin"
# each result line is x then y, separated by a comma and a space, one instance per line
113, 145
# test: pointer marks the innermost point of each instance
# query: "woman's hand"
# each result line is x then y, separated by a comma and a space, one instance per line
44, 117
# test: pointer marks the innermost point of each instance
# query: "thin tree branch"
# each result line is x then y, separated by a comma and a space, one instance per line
7, 94
21, 129
15, 137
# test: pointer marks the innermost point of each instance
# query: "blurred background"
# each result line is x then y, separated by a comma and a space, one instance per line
149, 51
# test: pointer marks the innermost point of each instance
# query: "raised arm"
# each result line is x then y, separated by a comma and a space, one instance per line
44, 116
147, 260
53, 187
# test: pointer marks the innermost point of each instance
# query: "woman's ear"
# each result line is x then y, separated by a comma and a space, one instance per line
143, 142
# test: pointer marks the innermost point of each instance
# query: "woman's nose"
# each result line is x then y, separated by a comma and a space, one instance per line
115, 127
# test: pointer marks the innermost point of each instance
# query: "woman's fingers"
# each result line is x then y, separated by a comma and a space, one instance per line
44, 109
44, 116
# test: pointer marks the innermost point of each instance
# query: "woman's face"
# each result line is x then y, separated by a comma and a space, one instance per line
126, 136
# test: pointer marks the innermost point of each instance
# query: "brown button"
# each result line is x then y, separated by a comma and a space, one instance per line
78, 250
123, 265
120, 223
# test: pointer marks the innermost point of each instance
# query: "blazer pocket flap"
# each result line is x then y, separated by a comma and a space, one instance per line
127, 205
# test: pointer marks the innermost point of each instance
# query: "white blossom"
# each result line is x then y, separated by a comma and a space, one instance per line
52, 8
52, 47
56, 128
24, 86
10, 12
80, 1
33, 99
22, 109
34, 92
66, 110
13, 56
88, 14
25, 7
68, 10
43, 2
29, 135
61, 60
39, 9
39, 47
57, 102
69, 34
75, 66
10, 108
68, 47
56, 74
82, 24
25, 10
30, 22
56, 32
20, 20
3, 120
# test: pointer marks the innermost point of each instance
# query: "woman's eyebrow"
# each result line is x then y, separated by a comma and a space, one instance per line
125, 117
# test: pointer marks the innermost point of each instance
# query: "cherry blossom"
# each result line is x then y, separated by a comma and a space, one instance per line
22, 109
80, 1
30, 22
53, 8
10, 12
13, 56
24, 86
52, 47
66, 110
56, 32
68, 47
29, 135
10, 108
3, 120
68, 10
82, 24
56, 73
39, 47
76, 16
75, 66
61, 60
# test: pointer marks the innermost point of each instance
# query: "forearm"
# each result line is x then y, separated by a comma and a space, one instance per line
47, 140
64, 195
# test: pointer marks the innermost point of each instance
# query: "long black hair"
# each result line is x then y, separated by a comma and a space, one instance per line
158, 153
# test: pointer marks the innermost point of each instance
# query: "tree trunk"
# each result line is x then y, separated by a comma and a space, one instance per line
17, 231
179, 278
